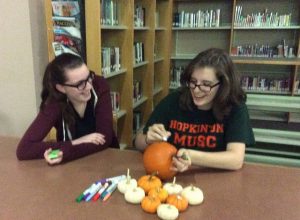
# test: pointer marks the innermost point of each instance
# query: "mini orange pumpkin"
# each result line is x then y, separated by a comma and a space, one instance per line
159, 192
178, 201
158, 158
148, 182
150, 204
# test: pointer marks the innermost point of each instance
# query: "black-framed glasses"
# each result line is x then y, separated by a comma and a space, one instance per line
202, 87
82, 84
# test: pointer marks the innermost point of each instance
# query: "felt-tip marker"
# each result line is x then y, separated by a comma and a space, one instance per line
115, 178
93, 191
101, 190
84, 194
109, 191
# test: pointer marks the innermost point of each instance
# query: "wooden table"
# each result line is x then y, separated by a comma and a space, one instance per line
34, 190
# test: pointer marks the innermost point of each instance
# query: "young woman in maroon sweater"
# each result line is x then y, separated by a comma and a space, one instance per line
77, 103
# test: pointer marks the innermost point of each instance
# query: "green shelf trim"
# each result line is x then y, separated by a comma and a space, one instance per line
272, 160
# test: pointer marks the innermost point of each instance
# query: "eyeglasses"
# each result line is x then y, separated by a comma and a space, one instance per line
82, 84
202, 87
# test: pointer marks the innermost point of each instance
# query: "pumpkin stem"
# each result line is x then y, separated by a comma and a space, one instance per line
128, 176
174, 180
155, 173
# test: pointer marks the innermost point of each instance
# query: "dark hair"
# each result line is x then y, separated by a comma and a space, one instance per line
55, 74
229, 93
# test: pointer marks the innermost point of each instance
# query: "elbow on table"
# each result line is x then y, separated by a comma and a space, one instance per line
21, 153
237, 165
20, 156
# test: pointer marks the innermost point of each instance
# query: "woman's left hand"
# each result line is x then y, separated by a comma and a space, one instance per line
182, 161
53, 161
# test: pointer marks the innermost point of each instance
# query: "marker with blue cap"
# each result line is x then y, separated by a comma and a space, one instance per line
93, 191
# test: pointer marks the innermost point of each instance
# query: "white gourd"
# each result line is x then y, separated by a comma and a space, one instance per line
173, 188
134, 195
127, 183
193, 194
167, 212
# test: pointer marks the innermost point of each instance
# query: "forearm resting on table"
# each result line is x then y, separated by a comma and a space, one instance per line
232, 159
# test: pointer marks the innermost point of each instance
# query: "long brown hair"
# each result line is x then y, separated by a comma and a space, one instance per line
55, 74
229, 93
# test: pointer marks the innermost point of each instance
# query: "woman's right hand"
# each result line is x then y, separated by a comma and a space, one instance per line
94, 138
157, 132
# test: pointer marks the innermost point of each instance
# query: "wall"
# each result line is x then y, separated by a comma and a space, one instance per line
23, 56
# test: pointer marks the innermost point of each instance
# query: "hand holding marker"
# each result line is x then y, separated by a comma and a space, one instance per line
157, 132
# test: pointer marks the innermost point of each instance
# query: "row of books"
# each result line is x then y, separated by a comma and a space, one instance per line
110, 60
137, 90
115, 101
261, 19
139, 16
138, 52
263, 50
67, 28
257, 83
201, 18
137, 121
110, 12
254, 83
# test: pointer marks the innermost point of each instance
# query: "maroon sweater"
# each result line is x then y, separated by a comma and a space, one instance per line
32, 145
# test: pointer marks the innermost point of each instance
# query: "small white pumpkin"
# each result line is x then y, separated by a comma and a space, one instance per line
167, 212
173, 188
193, 194
127, 183
134, 195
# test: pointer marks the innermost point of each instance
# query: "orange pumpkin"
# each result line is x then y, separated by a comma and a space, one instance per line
148, 182
159, 192
178, 201
158, 158
150, 204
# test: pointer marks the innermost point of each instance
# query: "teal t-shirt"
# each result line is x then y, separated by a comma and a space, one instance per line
199, 129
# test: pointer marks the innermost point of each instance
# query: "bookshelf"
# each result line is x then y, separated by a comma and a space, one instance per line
136, 26
235, 35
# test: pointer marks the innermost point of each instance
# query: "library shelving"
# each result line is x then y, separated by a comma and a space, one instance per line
142, 27
263, 38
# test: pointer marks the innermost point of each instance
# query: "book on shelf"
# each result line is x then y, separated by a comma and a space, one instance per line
175, 74
139, 16
110, 60
110, 12
297, 86
137, 90
115, 101
157, 19
137, 121
138, 49
67, 27
201, 18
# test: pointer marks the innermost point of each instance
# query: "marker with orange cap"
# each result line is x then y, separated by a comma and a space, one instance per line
109, 191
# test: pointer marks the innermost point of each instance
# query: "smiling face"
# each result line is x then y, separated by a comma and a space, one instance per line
74, 77
205, 77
